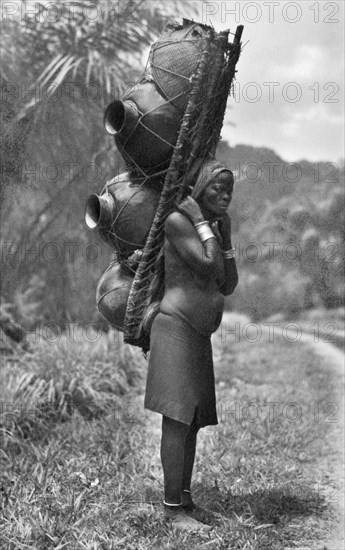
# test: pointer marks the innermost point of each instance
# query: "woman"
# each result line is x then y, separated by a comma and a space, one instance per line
199, 270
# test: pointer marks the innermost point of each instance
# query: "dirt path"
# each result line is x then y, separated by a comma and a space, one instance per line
330, 470
329, 473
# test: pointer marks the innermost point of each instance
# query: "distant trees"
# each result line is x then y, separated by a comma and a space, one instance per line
291, 249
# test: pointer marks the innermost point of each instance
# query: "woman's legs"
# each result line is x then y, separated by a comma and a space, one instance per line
177, 454
174, 436
189, 456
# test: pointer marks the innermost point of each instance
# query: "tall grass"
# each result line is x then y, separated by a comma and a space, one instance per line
58, 378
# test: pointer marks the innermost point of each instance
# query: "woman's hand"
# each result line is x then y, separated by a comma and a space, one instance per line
215, 230
190, 208
224, 227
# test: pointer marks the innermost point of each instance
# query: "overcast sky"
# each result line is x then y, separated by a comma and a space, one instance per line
297, 50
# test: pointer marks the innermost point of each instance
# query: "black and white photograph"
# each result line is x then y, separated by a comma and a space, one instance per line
172, 316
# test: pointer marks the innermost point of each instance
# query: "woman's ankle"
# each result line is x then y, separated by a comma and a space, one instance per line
187, 501
172, 509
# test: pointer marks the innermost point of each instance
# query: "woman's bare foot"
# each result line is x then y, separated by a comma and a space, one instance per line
180, 520
189, 505
196, 512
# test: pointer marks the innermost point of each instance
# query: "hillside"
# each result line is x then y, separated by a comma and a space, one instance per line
287, 230
263, 177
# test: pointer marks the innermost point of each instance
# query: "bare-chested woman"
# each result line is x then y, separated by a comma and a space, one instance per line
199, 270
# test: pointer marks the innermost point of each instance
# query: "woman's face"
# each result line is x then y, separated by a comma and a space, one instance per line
216, 198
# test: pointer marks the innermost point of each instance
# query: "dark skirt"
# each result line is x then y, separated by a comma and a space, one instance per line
180, 379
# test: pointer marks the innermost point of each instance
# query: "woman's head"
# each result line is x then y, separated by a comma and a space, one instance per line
213, 188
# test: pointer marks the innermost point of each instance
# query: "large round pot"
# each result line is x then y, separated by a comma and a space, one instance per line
112, 294
124, 212
146, 122
145, 127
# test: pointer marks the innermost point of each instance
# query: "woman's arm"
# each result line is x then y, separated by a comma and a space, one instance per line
231, 275
206, 257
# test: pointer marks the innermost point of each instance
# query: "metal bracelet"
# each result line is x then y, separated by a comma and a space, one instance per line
229, 254
200, 223
204, 232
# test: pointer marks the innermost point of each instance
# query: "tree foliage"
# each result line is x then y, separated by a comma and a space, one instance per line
290, 236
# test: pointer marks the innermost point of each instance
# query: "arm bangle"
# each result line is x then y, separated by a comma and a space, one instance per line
201, 223
229, 254
204, 232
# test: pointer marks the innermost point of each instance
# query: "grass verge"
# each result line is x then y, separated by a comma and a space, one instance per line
95, 482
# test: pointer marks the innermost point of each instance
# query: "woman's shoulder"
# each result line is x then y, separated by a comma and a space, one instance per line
176, 220
177, 225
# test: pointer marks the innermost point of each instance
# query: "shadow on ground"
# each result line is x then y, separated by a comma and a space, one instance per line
272, 505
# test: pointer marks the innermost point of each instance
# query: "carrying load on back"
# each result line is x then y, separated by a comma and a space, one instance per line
164, 127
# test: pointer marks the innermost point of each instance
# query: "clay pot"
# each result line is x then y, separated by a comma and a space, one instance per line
112, 294
146, 123
124, 212
145, 127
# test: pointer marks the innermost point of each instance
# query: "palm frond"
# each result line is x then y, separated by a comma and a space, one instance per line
61, 75
104, 50
53, 65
